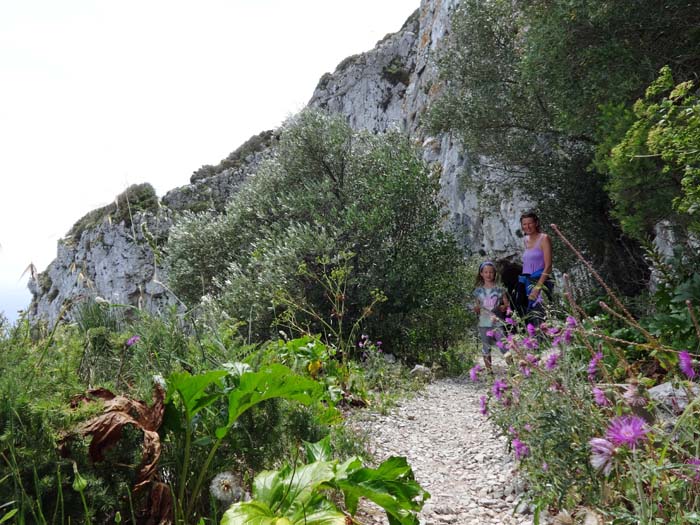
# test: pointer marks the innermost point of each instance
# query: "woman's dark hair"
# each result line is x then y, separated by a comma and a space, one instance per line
531, 215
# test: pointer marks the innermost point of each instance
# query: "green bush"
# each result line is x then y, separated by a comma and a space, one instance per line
330, 191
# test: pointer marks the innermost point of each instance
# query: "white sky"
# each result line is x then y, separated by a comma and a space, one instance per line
97, 95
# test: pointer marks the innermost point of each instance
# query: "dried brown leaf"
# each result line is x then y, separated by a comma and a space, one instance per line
106, 429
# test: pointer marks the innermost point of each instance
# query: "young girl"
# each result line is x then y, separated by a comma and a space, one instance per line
491, 305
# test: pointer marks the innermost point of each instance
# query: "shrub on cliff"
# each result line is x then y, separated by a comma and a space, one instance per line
330, 191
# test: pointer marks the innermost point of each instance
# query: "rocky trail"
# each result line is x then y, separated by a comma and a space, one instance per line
455, 452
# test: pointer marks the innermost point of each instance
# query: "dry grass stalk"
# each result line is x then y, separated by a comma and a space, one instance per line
628, 317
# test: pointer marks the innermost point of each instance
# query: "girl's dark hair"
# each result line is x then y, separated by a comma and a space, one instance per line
479, 280
531, 215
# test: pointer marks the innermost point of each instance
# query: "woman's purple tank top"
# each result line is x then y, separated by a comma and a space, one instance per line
533, 258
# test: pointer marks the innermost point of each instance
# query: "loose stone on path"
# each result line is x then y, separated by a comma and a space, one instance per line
455, 453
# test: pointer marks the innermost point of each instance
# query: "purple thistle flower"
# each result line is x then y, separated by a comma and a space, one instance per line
602, 452
500, 345
483, 406
570, 321
695, 462
528, 427
490, 333
530, 343
498, 388
532, 359
521, 449
593, 365
552, 361
545, 466
133, 340
525, 371
510, 320
568, 336
531, 329
556, 387
378, 343
556, 341
600, 397
627, 430
633, 397
553, 331
474, 372
685, 363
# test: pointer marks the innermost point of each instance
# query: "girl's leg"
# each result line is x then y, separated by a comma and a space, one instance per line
487, 362
486, 347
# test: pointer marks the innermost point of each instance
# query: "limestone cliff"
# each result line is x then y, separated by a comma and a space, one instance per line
389, 86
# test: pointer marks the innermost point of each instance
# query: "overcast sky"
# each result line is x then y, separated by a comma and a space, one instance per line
97, 95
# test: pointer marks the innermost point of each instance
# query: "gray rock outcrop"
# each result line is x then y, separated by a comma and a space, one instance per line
389, 86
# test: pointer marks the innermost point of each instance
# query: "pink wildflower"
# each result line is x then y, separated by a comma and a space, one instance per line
570, 321
685, 363
627, 430
695, 468
531, 329
530, 343
593, 365
521, 449
633, 397
568, 336
600, 397
602, 452
552, 361
483, 406
133, 340
474, 372
498, 388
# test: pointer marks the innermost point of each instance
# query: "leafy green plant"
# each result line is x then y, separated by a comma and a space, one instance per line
189, 395
345, 192
584, 426
302, 493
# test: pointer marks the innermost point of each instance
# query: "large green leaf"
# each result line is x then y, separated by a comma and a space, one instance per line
192, 389
256, 513
290, 489
319, 451
273, 381
269, 487
252, 513
391, 486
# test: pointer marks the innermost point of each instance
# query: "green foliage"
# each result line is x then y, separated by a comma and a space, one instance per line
189, 395
583, 424
542, 87
302, 494
136, 198
236, 158
329, 191
654, 170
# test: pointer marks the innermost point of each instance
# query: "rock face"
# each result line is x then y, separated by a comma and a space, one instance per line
387, 87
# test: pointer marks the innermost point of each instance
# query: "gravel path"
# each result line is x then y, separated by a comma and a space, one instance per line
455, 453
